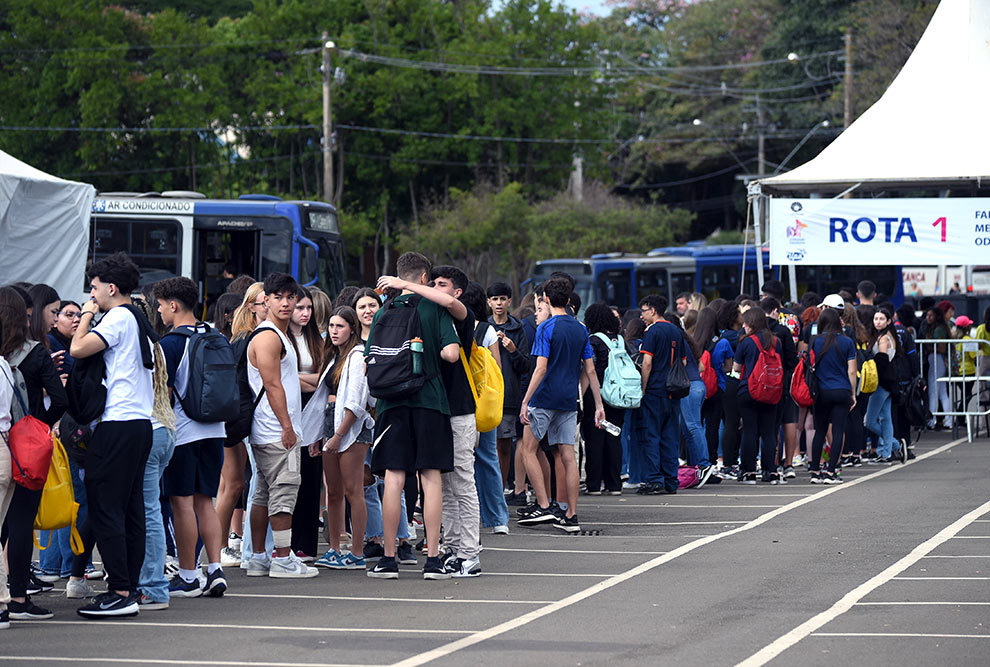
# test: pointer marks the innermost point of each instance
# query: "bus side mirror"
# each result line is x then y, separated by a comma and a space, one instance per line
309, 260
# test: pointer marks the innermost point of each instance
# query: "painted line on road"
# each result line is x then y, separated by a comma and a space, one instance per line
778, 646
941, 579
971, 537
536, 614
661, 523
577, 551
983, 556
663, 506
921, 604
898, 635
165, 661
270, 628
544, 574
346, 598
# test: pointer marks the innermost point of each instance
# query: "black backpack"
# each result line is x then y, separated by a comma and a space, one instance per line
389, 362
86, 393
678, 382
239, 427
916, 404
211, 392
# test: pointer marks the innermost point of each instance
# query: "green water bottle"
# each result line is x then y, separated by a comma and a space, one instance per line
416, 345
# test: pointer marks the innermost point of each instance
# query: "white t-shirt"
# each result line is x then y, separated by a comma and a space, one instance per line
305, 357
186, 429
265, 427
130, 388
490, 337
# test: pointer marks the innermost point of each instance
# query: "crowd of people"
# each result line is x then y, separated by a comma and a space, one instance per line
356, 416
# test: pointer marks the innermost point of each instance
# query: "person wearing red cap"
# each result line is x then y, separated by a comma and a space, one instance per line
948, 310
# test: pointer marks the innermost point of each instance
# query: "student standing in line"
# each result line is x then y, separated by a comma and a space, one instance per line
413, 433
6, 476
603, 451
663, 345
758, 418
192, 476
834, 357
274, 368
879, 419
563, 353
119, 448
729, 323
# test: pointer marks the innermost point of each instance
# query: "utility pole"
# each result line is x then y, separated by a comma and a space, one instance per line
848, 106
760, 140
327, 122
577, 178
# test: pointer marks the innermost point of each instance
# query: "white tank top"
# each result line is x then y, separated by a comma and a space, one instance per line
265, 427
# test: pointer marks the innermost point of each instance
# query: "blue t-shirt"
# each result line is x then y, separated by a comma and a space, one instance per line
657, 342
694, 375
725, 349
565, 344
746, 354
832, 368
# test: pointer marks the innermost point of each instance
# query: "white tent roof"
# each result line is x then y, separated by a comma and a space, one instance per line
44, 227
929, 128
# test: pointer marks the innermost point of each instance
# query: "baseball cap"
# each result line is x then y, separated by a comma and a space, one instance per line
833, 301
964, 322
944, 306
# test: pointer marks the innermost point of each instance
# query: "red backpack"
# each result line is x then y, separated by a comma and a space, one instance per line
766, 381
708, 375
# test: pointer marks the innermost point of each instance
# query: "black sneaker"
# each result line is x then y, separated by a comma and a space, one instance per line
516, 499
705, 474
815, 477
421, 546
447, 557
537, 516
110, 605
526, 509
180, 588
910, 453
216, 584
4, 619
434, 569
451, 563
35, 586
405, 554
831, 478
27, 611
650, 489
856, 461
385, 568
373, 551
568, 524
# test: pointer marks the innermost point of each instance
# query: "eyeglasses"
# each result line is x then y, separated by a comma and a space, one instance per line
73, 315
260, 304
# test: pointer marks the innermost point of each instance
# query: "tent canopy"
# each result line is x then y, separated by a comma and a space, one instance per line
929, 129
44, 227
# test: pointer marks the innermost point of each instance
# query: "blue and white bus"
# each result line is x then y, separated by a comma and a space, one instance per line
186, 234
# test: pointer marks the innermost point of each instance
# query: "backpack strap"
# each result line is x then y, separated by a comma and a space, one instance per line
20, 399
144, 327
608, 341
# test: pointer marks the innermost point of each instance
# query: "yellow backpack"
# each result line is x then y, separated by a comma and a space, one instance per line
58, 508
487, 386
869, 379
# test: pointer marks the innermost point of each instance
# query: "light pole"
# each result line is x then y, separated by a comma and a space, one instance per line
327, 148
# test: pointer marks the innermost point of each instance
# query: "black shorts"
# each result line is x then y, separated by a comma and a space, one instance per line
195, 468
412, 439
787, 409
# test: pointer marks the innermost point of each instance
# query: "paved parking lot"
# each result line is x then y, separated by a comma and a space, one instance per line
889, 568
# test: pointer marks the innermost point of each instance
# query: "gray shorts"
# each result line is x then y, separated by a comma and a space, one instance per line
278, 477
559, 426
507, 427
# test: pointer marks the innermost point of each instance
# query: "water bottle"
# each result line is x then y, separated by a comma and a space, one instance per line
416, 345
610, 428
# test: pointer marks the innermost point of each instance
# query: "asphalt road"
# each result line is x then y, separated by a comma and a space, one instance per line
892, 567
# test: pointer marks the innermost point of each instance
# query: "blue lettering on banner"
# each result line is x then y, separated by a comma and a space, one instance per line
982, 228
983, 215
864, 230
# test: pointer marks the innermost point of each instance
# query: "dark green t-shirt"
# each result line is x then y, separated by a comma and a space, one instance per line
438, 332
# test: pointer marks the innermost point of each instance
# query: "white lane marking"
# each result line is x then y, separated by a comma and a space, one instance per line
781, 644
971, 537
502, 628
661, 523
670, 506
577, 551
981, 556
346, 598
164, 661
271, 628
544, 574
941, 579
896, 635
921, 604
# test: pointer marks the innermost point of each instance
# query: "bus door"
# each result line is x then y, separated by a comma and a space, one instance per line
615, 286
682, 280
652, 280
218, 248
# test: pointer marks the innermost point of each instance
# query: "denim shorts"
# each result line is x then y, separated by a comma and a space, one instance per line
559, 426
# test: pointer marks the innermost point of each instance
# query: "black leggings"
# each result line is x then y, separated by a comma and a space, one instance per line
20, 536
730, 417
759, 421
711, 414
832, 407
855, 441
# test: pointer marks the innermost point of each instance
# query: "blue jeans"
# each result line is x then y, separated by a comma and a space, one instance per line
488, 480
878, 421
660, 443
246, 544
152, 580
57, 559
691, 414
375, 526
634, 438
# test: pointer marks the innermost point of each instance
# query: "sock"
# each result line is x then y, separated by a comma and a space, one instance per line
259, 555
189, 576
281, 559
212, 567
563, 506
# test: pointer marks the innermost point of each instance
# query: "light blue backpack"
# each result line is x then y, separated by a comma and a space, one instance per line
622, 385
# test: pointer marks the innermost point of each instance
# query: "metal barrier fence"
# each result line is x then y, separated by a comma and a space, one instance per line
967, 394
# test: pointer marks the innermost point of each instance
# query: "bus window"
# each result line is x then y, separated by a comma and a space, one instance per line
651, 281
276, 253
153, 245
614, 288
719, 282
681, 282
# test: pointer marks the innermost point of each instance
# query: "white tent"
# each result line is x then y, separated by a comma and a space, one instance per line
929, 129
44, 227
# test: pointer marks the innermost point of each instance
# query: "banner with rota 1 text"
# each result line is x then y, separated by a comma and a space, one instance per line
880, 231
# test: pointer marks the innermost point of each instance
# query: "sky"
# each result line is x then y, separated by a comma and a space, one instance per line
596, 7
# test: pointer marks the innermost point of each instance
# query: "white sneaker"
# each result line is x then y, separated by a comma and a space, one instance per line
500, 530
230, 557
258, 568
290, 567
234, 541
79, 590
171, 567
470, 567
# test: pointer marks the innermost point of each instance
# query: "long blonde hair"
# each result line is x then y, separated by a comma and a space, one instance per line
162, 407
322, 309
243, 322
